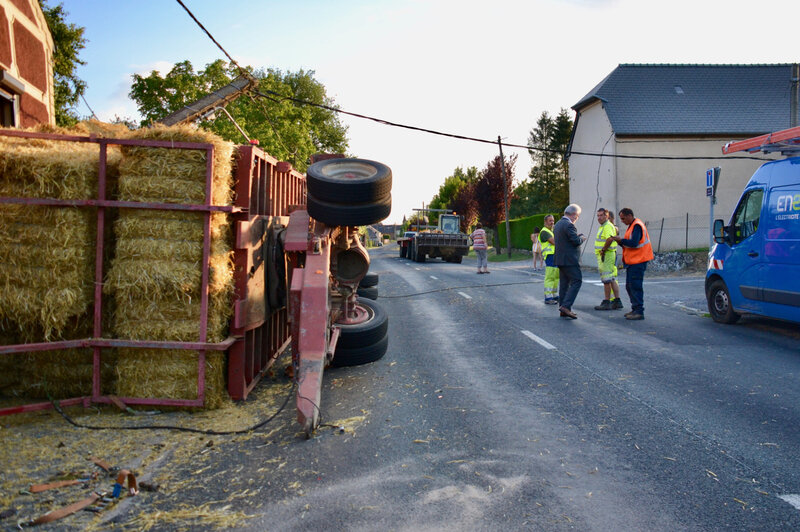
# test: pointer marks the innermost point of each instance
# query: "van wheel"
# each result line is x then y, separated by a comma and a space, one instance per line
719, 303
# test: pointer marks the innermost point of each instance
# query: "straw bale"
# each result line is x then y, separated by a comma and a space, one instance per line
47, 254
156, 275
170, 373
148, 168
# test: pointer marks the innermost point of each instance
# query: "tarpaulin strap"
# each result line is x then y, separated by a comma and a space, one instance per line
101, 464
38, 488
132, 488
66, 510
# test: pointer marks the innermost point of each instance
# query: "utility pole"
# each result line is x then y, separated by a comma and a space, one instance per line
505, 195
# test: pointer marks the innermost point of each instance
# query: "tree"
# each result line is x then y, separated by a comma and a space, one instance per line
286, 130
68, 41
450, 188
547, 186
464, 204
490, 191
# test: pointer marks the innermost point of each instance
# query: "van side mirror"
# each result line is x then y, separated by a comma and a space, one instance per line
719, 232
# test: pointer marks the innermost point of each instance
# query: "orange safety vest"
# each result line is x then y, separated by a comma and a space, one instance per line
643, 252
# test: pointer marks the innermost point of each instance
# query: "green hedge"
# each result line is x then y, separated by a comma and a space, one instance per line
521, 230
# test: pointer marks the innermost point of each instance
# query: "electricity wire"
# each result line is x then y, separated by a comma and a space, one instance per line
385, 122
176, 427
89, 107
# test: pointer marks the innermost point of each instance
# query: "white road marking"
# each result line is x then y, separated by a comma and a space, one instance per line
463, 294
791, 498
702, 280
434, 277
417, 269
688, 309
596, 283
538, 340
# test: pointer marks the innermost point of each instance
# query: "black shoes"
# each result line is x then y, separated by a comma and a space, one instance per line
605, 305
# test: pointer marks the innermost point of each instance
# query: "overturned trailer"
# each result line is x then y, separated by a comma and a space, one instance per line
295, 264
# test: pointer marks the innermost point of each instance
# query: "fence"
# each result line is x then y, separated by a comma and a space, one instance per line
678, 233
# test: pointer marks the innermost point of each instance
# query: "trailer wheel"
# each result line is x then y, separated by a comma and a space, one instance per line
411, 251
457, 259
369, 292
349, 181
360, 355
348, 214
419, 257
403, 251
366, 333
371, 279
719, 303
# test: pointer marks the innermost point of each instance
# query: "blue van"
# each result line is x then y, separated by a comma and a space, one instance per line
754, 267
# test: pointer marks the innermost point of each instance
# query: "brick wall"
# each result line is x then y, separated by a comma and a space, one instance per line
26, 50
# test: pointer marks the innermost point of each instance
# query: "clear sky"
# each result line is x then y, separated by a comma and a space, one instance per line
473, 68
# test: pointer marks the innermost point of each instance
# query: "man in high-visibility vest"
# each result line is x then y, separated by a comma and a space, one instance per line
547, 239
606, 253
636, 253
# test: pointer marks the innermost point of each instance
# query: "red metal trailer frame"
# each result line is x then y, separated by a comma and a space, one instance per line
265, 190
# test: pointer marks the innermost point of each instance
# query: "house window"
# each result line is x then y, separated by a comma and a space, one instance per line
7, 114
10, 90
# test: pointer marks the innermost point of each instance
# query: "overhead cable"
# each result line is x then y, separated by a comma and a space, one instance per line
279, 97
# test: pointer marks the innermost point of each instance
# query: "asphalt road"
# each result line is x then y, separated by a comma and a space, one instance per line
489, 412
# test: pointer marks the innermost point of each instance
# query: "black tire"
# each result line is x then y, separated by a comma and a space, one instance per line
419, 257
360, 355
457, 259
350, 215
349, 181
370, 292
412, 249
403, 251
365, 333
371, 279
719, 303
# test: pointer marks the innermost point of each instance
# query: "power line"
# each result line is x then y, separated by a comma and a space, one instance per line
89, 107
443, 133
242, 71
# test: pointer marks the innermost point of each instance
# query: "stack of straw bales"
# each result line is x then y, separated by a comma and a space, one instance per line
155, 277
47, 261
153, 264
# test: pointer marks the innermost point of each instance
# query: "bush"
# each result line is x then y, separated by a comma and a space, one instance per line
521, 229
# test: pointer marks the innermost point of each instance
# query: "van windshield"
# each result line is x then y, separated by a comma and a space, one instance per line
745, 220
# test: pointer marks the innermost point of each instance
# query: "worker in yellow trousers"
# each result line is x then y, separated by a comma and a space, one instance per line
548, 242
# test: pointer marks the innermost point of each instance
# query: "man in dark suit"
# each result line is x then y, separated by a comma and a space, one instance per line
567, 258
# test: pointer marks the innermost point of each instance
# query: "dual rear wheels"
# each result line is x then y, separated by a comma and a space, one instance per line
364, 342
349, 192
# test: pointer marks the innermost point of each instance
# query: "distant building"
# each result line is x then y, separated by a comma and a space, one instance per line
26, 69
673, 111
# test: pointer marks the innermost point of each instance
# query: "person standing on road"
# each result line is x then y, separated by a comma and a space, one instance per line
567, 258
536, 248
548, 242
478, 237
606, 251
636, 253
